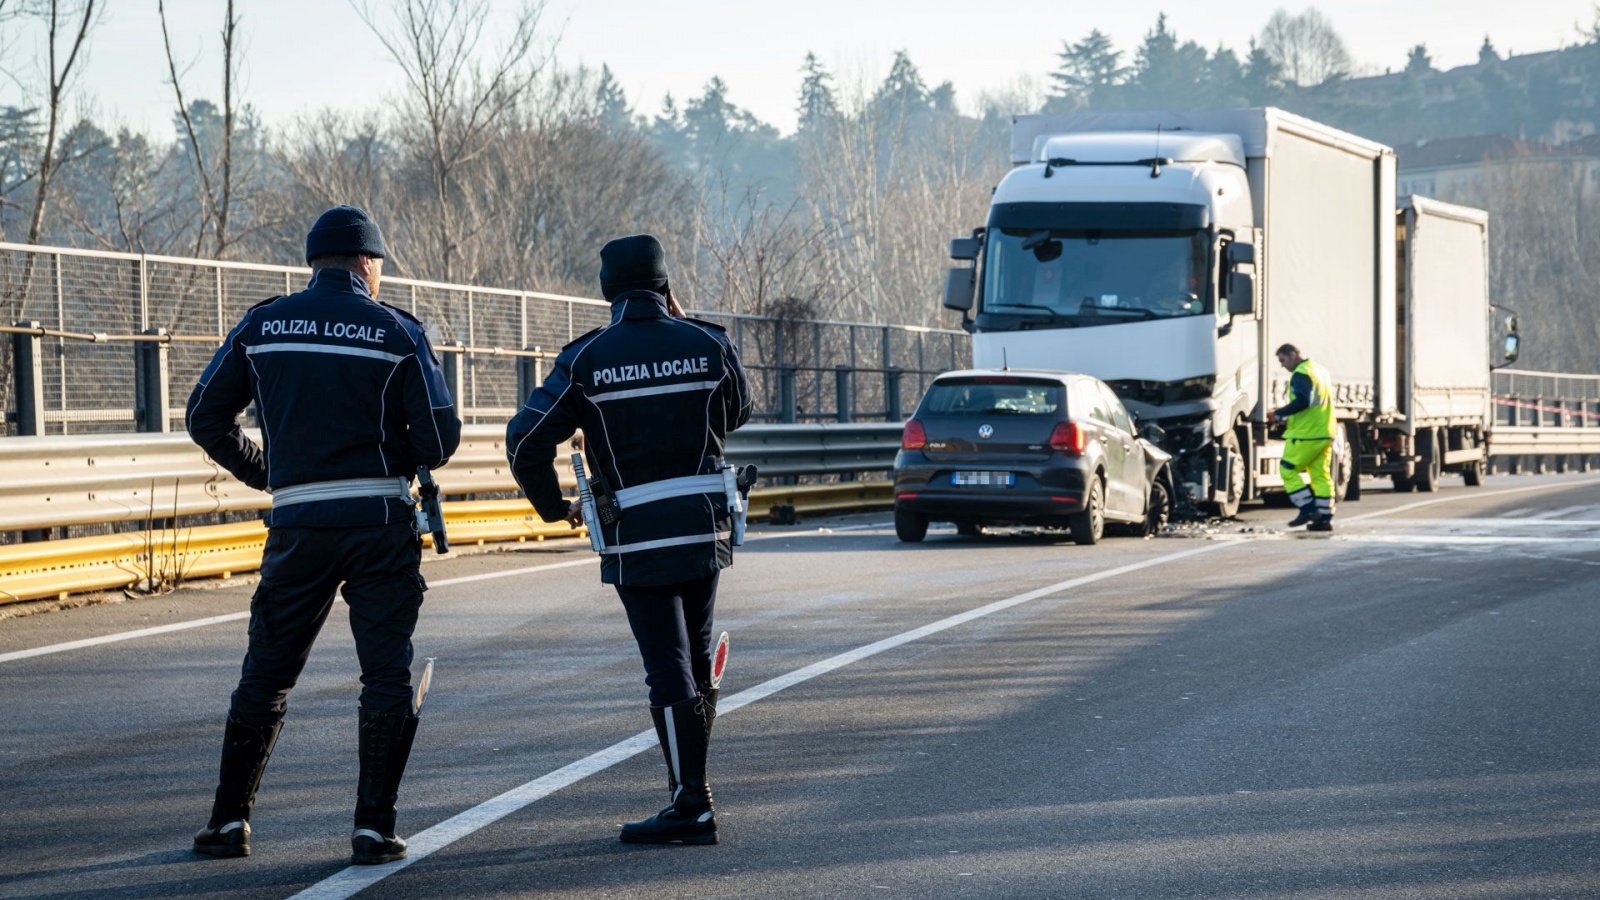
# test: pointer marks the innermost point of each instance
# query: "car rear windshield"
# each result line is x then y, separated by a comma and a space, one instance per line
990, 397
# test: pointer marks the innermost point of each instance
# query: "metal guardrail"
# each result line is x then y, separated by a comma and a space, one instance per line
157, 480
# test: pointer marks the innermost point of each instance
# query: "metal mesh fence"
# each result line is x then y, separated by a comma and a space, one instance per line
800, 370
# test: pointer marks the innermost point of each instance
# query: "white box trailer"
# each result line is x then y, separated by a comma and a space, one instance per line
1443, 349
1293, 225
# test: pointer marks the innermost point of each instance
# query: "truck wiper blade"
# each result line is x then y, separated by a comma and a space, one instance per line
1017, 309
1137, 311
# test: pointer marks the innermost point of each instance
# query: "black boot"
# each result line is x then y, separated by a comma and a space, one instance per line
385, 745
689, 818
658, 715
1323, 523
245, 751
1304, 517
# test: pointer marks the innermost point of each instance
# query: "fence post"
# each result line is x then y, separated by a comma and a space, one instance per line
528, 375
891, 393
152, 402
787, 411
27, 360
844, 399
455, 369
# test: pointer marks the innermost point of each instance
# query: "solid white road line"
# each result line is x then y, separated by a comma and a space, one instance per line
443, 582
1472, 495
122, 636
353, 879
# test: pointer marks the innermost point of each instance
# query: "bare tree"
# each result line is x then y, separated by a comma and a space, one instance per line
1305, 46
60, 68
216, 182
456, 101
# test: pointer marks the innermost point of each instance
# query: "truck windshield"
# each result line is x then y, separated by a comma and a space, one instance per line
1080, 278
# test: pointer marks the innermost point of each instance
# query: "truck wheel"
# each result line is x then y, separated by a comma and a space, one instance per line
1474, 472
909, 526
1402, 484
1089, 526
1229, 508
1428, 467
1351, 491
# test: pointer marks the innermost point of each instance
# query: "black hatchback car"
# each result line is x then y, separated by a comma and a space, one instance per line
1012, 447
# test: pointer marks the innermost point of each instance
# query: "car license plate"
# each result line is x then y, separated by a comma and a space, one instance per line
983, 479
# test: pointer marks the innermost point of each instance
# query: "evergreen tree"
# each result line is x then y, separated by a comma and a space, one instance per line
1487, 55
817, 101
1418, 62
903, 92
612, 101
1262, 80
1089, 71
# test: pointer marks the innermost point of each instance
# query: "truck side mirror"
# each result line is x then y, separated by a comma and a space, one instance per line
1512, 349
1241, 254
964, 248
1241, 293
959, 287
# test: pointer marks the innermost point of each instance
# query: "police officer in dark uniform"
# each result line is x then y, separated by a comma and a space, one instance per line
351, 401
656, 395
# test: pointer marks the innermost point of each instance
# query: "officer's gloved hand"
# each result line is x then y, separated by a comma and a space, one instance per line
575, 514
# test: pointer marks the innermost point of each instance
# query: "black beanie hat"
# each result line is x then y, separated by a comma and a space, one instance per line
633, 263
344, 231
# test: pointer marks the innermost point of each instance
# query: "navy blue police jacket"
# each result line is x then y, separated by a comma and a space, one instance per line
344, 387
655, 396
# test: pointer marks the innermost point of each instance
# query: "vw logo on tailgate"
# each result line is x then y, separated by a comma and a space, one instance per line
986, 431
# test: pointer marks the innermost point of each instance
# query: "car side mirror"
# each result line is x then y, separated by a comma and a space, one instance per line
959, 287
1241, 294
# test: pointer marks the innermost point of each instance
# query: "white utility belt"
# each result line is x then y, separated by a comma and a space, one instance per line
725, 481
343, 489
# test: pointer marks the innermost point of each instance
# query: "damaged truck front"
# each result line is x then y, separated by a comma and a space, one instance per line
1169, 254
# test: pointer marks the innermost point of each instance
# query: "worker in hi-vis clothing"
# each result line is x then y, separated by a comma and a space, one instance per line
1308, 440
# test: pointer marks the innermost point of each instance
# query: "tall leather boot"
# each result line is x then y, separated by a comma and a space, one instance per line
245, 751
385, 745
689, 818
658, 714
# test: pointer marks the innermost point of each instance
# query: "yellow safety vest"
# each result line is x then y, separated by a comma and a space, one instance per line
1317, 420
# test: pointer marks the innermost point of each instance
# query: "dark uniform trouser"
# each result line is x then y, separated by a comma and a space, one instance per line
672, 625
300, 570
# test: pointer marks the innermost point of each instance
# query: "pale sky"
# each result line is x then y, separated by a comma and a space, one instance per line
305, 54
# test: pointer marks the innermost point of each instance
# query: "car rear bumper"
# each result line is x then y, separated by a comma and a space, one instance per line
1039, 494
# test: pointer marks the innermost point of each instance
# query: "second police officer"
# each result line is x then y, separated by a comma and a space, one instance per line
351, 400
656, 395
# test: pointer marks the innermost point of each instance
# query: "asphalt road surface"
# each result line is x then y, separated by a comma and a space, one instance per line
1409, 708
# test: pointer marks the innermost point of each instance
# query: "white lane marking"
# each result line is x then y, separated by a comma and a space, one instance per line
1524, 511
1559, 513
123, 636
1474, 495
1496, 539
353, 879
1497, 522
443, 582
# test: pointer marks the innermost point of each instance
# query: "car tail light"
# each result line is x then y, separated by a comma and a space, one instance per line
915, 437
1067, 437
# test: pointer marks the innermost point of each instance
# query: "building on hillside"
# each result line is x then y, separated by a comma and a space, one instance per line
1453, 168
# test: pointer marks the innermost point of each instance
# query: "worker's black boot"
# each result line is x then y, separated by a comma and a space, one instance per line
689, 818
245, 751
1305, 517
385, 745
1323, 523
